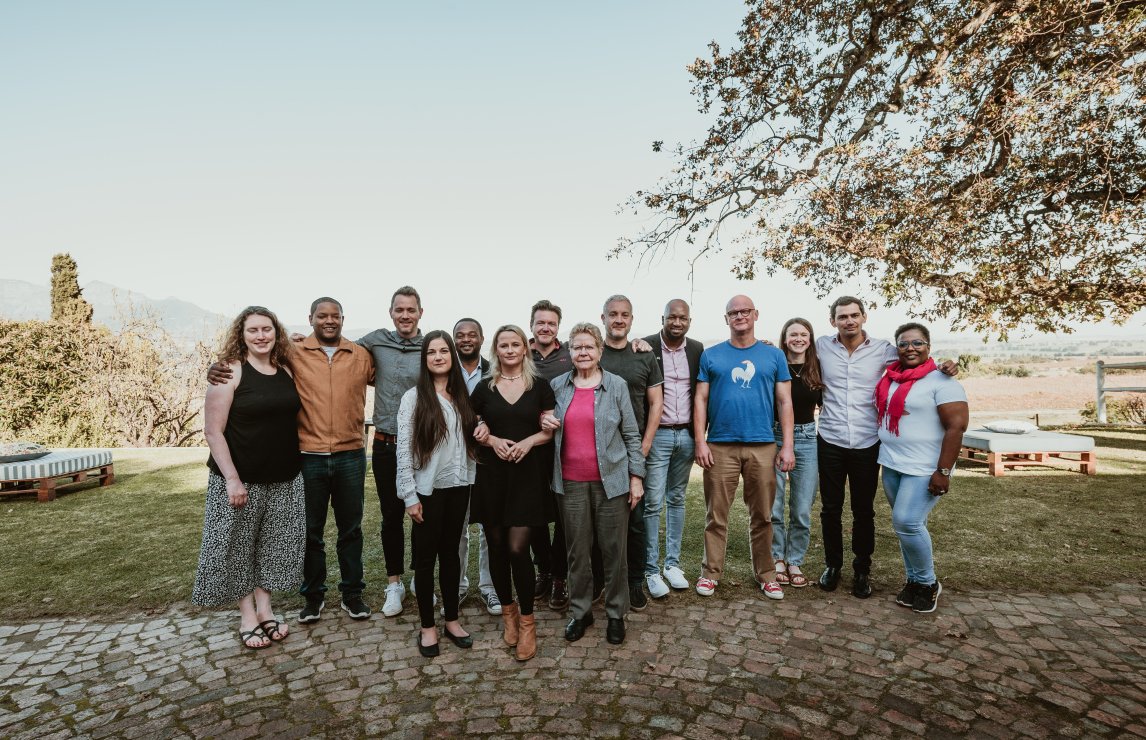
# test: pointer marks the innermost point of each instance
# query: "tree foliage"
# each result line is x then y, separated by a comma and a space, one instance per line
68, 304
977, 160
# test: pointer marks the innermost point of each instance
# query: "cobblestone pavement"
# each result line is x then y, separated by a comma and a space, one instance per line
816, 665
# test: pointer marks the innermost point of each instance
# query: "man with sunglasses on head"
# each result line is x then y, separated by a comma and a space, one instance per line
851, 364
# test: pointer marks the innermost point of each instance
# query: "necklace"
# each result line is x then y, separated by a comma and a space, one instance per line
792, 369
511, 377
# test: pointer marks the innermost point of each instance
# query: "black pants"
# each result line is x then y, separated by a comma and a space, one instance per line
385, 462
550, 556
435, 541
637, 549
334, 481
839, 465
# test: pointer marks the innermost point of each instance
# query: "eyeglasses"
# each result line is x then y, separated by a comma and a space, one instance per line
914, 343
741, 312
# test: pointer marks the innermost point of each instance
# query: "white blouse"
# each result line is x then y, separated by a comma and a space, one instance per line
448, 467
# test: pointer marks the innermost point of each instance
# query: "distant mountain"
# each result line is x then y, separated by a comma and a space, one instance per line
21, 301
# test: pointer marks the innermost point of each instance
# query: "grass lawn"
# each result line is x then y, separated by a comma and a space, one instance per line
133, 547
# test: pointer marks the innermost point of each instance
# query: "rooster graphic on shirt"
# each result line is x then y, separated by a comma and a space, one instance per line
744, 375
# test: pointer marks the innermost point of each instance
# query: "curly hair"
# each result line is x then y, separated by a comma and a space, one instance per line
234, 349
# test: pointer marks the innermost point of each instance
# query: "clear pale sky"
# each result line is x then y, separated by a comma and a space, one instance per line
271, 152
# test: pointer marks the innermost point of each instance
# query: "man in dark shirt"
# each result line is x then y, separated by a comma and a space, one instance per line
640, 371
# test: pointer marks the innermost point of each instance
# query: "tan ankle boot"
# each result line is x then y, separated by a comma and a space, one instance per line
509, 618
527, 639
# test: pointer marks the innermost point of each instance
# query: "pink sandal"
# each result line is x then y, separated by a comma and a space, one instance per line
782, 573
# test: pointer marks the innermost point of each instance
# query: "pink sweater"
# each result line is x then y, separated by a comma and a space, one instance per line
579, 439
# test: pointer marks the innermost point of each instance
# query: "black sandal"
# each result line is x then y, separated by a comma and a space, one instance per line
272, 632
245, 636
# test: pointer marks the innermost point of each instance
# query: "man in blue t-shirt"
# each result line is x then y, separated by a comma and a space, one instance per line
742, 385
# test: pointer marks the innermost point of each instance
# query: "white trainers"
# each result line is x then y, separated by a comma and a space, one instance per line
658, 589
772, 590
675, 577
395, 592
705, 586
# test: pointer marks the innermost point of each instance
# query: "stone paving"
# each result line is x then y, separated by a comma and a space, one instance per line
817, 665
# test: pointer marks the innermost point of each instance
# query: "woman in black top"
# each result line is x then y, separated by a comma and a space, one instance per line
512, 494
254, 527
797, 488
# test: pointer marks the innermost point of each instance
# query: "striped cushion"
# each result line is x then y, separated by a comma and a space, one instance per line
59, 462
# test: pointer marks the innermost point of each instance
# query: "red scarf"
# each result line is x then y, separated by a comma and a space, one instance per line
906, 379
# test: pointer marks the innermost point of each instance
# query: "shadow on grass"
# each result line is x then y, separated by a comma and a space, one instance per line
1121, 439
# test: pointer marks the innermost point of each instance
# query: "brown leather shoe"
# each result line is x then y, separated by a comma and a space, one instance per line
509, 618
527, 640
560, 598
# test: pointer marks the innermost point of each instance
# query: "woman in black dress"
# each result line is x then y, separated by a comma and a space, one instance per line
512, 490
254, 526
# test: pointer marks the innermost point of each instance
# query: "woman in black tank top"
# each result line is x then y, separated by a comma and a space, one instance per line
254, 527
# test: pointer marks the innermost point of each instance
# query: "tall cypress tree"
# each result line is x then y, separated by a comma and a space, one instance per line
68, 304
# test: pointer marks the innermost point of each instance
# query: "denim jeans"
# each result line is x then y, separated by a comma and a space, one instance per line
911, 503
667, 469
795, 490
334, 481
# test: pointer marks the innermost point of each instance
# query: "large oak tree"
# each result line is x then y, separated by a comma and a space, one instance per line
977, 160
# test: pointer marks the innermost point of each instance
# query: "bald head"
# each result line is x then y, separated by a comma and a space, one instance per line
739, 302
740, 314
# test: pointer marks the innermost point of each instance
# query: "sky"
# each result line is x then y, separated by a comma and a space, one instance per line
272, 152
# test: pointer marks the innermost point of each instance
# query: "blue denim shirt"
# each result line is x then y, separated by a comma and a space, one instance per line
615, 424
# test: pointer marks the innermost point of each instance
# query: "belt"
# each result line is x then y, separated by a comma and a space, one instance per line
390, 438
676, 427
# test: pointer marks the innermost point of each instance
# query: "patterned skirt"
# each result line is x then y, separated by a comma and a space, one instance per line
258, 545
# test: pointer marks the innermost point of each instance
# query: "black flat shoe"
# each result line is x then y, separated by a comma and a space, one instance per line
615, 631
427, 651
861, 586
465, 642
575, 630
830, 579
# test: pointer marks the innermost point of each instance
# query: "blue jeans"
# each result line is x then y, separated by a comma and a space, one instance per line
334, 481
911, 503
667, 469
796, 490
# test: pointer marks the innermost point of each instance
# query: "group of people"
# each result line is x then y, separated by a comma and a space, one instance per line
594, 436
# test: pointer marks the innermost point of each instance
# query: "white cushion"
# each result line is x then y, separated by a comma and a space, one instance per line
1010, 427
1038, 441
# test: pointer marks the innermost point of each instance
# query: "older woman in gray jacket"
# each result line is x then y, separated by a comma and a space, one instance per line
597, 474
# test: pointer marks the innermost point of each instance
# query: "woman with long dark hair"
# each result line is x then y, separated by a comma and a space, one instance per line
796, 489
512, 491
254, 525
436, 461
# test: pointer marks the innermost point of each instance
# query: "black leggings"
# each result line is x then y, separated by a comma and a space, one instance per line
509, 550
435, 540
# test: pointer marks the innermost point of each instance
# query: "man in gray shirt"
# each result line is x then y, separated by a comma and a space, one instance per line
396, 354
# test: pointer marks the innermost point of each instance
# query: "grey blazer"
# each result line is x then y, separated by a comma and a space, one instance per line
618, 441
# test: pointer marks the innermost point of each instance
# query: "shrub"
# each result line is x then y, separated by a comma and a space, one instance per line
1128, 410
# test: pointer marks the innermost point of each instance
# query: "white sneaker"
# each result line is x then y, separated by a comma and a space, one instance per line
395, 592
675, 577
705, 586
658, 589
772, 590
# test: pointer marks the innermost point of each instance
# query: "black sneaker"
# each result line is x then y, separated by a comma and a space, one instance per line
637, 599
926, 598
355, 607
312, 611
542, 587
907, 595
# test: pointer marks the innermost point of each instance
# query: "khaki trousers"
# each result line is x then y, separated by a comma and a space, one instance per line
755, 464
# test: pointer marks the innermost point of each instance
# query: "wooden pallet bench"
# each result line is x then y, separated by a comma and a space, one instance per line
1001, 451
55, 470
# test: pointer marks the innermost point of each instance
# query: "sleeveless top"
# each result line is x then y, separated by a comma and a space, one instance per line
262, 428
804, 399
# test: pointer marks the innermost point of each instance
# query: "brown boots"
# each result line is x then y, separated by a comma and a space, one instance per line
527, 637
520, 631
509, 617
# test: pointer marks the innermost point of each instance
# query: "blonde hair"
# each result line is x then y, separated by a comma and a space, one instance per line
528, 371
586, 328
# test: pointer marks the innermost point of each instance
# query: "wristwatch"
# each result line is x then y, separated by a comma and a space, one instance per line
944, 471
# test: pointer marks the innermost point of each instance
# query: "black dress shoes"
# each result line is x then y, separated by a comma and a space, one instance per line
615, 631
575, 630
830, 579
861, 586
427, 651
